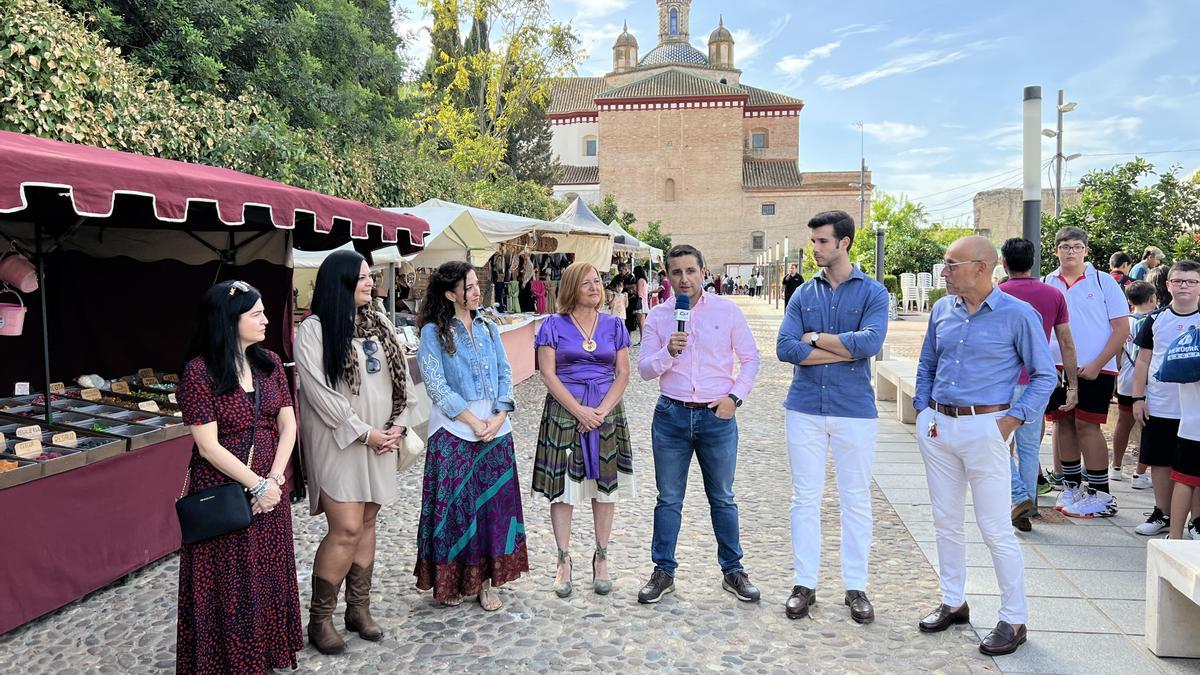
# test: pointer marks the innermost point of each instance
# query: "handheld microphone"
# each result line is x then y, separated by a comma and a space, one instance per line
683, 311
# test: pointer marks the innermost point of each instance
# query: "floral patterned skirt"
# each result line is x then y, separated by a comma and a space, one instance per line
472, 527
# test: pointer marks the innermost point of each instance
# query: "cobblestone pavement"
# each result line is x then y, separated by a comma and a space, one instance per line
131, 627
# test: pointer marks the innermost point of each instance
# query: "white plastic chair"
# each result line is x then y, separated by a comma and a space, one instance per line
924, 285
938, 280
908, 290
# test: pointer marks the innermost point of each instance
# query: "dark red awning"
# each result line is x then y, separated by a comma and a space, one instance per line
94, 177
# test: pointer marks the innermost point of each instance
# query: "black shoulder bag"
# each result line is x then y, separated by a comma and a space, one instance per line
220, 509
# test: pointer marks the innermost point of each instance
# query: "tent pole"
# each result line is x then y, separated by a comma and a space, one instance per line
41, 279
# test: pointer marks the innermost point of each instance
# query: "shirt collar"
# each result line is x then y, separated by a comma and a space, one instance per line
855, 273
993, 299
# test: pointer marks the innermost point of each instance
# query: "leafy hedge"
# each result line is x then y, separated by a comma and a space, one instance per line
59, 80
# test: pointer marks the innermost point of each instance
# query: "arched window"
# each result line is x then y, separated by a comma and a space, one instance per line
674, 29
589, 146
669, 190
759, 139
758, 241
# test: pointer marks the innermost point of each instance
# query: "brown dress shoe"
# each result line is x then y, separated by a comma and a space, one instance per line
801, 600
1021, 513
321, 632
358, 603
860, 607
1004, 639
944, 617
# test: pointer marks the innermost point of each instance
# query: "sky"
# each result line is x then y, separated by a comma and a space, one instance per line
938, 85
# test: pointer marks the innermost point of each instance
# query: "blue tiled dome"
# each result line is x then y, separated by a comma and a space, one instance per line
674, 52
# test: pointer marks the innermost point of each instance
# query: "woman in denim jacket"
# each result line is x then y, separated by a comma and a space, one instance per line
472, 534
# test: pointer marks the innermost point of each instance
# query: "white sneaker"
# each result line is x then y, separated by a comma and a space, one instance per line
1070, 494
1140, 481
1093, 505
1157, 523
1115, 474
1191, 532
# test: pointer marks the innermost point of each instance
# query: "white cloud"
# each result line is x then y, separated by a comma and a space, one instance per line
597, 8
937, 150
748, 44
909, 63
857, 29
922, 38
794, 66
917, 159
893, 132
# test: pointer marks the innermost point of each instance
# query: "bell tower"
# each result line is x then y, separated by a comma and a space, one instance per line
673, 20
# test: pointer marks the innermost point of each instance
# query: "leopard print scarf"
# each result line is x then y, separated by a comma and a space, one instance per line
370, 324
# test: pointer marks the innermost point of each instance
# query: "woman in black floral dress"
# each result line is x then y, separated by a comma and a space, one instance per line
239, 605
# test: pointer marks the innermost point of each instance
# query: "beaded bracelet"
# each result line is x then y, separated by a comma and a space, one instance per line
259, 488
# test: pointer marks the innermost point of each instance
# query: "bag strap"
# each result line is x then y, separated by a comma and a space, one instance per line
187, 477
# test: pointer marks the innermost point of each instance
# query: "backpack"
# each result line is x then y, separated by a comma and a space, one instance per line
1181, 362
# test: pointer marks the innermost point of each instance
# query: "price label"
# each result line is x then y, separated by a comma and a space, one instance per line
28, 449
57, 387
120, 387
66, 438
149, 381
92, 394
171, 398
22, 389
172, 378
145, 372
31, 431
148, 406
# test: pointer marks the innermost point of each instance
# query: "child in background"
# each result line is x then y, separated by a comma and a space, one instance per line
1142, 301
619, 300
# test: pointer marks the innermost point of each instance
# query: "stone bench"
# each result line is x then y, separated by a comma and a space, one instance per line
1173, 598
897, 381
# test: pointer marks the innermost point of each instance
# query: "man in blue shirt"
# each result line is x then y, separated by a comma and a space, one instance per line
834, 323
978, 340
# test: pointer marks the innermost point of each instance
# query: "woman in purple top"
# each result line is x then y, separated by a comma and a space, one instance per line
583, 450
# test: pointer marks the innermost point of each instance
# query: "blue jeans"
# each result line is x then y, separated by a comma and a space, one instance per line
676, 433
1025, 464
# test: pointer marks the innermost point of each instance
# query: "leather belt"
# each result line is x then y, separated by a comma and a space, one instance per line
688, 404
963, 410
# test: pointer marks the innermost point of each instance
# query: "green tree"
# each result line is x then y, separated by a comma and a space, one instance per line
652, 235
330, 65
608, 210
529, 155
1127, 208
908, 245
445, 45
528, 49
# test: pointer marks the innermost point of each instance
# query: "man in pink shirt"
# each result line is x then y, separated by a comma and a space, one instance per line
701, 392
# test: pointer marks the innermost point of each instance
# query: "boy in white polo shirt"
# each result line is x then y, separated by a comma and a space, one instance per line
1157, 404
1099, 325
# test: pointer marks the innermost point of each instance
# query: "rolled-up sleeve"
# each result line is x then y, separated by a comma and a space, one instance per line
1031, 345
429, 359
867, 341
789, 347
927, 364
504, 384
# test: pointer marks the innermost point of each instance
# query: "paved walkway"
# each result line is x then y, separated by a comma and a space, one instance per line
130, 628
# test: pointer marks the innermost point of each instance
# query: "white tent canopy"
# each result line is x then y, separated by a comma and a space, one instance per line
311, 260
624, 241
589, 242
453, 235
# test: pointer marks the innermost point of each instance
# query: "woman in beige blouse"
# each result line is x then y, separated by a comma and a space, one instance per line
351, 392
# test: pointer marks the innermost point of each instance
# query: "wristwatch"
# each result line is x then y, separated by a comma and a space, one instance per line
737, 402
813, 340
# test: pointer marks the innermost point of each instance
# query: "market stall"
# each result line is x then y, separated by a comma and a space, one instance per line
123, 247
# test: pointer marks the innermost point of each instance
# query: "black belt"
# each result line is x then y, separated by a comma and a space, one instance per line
965, 410
689, 404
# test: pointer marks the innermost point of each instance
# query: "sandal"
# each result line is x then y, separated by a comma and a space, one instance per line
563, 589
600, 586
453, 601
489, 598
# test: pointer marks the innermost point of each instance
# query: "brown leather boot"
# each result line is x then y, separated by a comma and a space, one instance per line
321, 632
358, 603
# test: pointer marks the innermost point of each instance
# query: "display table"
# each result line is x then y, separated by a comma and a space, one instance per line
518, 347
67, 535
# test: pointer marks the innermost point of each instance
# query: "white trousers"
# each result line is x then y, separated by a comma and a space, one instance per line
852, 440
969, 450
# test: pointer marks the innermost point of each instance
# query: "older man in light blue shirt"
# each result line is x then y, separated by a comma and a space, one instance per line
978, 340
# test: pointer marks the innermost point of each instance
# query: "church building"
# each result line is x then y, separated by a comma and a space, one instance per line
676, 136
